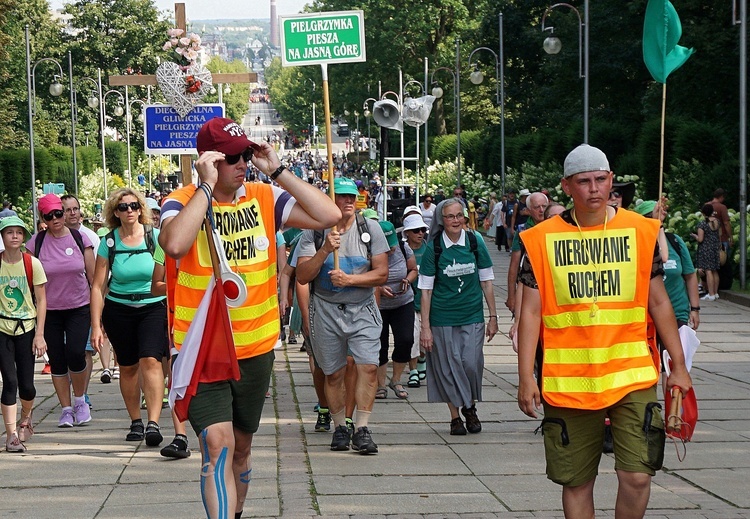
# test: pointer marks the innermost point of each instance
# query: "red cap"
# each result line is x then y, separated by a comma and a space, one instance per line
49, 203
224, 135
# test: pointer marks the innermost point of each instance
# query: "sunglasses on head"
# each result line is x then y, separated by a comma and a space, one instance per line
57, 213
234, 159
122, 206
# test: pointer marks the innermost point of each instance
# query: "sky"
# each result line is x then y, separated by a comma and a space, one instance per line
222, 9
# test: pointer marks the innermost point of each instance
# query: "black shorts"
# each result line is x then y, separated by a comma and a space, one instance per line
136, 332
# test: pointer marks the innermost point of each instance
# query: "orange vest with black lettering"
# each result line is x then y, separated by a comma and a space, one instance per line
594, 355
248, 233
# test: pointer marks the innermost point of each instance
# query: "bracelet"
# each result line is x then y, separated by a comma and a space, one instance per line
695, 308
207, 191
491, 316
278, 172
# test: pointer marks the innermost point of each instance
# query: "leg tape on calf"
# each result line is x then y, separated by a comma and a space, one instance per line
245, 477
220, 486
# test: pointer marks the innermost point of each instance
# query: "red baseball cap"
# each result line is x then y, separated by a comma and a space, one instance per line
224, 135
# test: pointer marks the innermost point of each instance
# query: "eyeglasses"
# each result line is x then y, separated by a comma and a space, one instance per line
234, 159
72, 209
57, 213
122, 206
421, 230
453, 216
614, 194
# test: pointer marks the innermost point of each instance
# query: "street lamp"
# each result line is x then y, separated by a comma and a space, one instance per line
438, 92
55, 89
313, 138
92, 101
476, 77
552, 45
118, 111
368, 114
128, 124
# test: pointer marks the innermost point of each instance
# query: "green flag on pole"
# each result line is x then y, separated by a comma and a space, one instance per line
661, 32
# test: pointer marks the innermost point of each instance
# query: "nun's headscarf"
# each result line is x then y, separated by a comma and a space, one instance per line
437, 220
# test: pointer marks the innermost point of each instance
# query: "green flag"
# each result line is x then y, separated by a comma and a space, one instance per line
661, 32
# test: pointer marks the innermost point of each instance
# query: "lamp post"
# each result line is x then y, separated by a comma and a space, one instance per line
128, 124
437, 91
102, 118
55, 89
407, 96
552, 45
314, 135
92, 101
477, 77
368, 114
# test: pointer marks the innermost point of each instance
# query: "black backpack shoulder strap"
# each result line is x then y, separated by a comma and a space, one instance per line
673, 242
318, 239
473, 247
78, 239
148, 237
438, 245
38, 242
401, 246
110, 241
363, 228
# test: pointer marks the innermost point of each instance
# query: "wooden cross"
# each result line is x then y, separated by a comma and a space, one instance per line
144, 80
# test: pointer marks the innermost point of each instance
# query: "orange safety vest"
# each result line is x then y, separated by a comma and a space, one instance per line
362, 201
247, 229
593, 358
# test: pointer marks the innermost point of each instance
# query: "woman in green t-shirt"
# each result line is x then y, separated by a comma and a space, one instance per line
455, 274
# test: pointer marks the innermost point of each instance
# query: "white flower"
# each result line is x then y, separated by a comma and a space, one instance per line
175, 33
179, 50
167, 46
184, 42
173, 41
195, 38
190, 54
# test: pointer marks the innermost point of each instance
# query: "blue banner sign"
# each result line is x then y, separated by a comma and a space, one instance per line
166, 132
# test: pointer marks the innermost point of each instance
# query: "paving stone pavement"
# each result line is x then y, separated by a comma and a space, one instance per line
420, 472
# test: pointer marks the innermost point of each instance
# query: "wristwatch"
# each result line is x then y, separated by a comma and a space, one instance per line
278, 172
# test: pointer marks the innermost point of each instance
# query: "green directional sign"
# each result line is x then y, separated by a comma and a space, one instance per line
317, 38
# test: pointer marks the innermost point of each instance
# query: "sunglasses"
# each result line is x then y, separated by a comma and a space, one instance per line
421, 230
57, 213
234, 159
615, 194
122, 206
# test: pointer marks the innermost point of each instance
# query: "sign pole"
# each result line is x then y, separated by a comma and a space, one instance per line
329, 147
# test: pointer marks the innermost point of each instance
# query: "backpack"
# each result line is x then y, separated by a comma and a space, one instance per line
28, 268
39, 240
148, 238
438, 245
363, 230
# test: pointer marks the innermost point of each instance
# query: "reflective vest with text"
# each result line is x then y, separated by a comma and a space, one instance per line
593, 357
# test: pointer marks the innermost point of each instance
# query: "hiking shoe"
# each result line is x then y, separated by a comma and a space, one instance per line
66, 418
291, 340
473, 425
153, 434
116, 373
609, 446
350, 426
324, 422
106, 377
177, 449
457, 427
82, 412
362, 442
13, 444
341, 439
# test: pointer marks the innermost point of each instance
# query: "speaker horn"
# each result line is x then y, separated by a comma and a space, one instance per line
386, 114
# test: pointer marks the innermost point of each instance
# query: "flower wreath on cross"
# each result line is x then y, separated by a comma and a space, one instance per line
183, 82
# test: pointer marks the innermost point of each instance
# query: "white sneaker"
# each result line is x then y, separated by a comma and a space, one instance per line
708, 297
716, 296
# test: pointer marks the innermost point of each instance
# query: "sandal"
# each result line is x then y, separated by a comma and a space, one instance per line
422, 368
400, 393
153, 434
381, 393
414, 378
25, 429
136, 431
